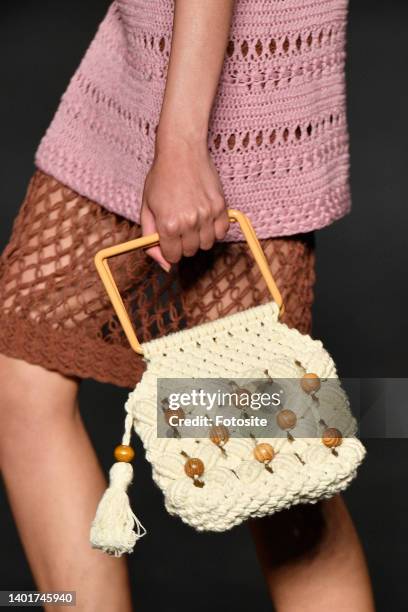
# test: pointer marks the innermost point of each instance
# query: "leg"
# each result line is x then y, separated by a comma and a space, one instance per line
51, 313
310, 555
55, 313
54, 483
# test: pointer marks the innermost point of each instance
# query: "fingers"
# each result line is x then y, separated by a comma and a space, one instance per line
221, 223
170, 240
184, 234
156, 254
148, 224
207, 236
190, 242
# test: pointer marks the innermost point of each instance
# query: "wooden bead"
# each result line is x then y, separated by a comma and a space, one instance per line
219, 435
124, 453
264, 452
194, 467
332, 437
310, 383
286, 419
177, 413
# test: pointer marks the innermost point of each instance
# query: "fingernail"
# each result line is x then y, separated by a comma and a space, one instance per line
165, 267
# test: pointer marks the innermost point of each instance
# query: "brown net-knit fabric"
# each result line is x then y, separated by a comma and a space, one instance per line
54, 310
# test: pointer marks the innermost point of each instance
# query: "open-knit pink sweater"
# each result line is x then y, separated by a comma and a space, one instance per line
278, 129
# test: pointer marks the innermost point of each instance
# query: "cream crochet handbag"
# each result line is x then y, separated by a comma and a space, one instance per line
217, 482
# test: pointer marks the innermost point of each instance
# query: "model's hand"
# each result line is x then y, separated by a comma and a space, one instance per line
183, 201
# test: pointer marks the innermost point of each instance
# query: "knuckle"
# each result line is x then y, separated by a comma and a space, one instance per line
171, 226
219, 204
192, 218
206, 213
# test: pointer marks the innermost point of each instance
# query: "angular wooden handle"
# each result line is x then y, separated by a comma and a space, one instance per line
101, 263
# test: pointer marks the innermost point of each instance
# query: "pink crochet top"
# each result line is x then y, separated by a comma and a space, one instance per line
278, 130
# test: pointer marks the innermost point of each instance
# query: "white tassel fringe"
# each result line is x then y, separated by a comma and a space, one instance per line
115, 529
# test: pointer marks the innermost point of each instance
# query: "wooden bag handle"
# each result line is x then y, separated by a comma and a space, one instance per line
101, 263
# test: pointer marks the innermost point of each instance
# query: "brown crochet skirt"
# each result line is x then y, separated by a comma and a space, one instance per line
53, 308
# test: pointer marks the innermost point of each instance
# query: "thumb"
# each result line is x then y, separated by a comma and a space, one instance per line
148, 224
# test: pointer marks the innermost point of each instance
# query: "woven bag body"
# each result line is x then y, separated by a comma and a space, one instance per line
236, 485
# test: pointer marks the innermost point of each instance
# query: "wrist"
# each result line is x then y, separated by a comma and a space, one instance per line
177, 138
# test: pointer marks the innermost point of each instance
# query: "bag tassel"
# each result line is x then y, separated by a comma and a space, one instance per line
115, 528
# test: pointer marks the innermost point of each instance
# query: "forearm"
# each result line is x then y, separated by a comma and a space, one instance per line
200, 37
183, 198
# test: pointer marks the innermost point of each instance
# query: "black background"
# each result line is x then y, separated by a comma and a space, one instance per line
360, 309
